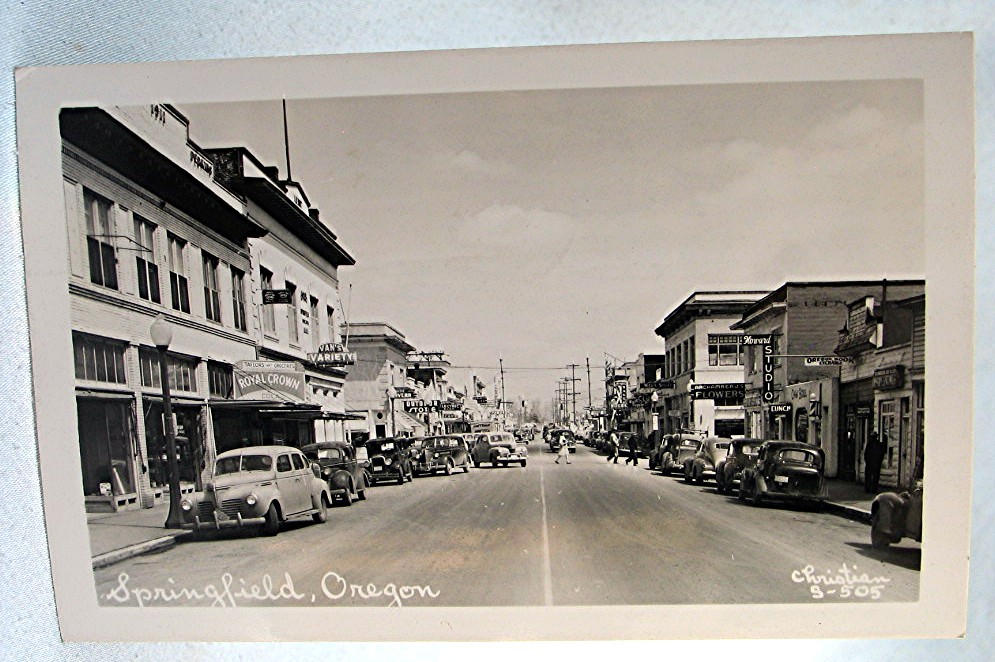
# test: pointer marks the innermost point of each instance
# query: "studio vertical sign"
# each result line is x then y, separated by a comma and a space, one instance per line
766, 342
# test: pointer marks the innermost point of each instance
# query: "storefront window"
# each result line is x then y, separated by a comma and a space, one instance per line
220, 378
182, 371
105, 447
99, 360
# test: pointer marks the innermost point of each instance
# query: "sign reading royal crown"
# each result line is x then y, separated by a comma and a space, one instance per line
269, 380
332, 355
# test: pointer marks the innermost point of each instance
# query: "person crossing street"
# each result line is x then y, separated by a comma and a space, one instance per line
613, 447
633, 450
563, 452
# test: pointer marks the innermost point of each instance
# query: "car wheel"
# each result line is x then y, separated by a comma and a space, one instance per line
361, 494
271, 526
687, 476
322, 515
400, 476
449, 468
879, 539
347, 496
741, 492
476, 463
466, 467
719, 486
523, 463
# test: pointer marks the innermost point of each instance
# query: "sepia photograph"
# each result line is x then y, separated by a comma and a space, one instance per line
635, 342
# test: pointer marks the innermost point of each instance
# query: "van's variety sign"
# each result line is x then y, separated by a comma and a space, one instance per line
332, 355
269, 380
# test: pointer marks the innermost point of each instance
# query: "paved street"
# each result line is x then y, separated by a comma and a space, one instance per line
585, 534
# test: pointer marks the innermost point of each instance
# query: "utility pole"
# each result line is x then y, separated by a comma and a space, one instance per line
503, 417
573, 392
589, 403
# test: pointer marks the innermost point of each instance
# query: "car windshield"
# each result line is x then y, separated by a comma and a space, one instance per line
724, 446
798, 455
327, 453
439, 442
231, 465
748, 449
690, 444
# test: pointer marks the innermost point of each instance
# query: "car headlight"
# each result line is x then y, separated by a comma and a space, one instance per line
435, 455
186, 505
251, 499
326, 472
387, 461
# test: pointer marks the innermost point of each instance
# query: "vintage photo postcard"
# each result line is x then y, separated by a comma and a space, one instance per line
608, 342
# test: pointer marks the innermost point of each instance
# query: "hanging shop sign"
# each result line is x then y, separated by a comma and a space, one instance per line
658, 384
331, 355
431, 406
886, 379
766, 341
727, 392
269, 380
780, 409
827, 360
480, 399
403, 392
277, 296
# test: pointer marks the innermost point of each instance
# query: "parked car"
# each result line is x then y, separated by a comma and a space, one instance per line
895, 516
683, 446
389, 459
340, 469
662, 445
258, 486
701, 466
742, 453
444, 453
498, 448
785, 470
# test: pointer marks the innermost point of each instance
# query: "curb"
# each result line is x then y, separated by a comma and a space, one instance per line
850, 512
109, 558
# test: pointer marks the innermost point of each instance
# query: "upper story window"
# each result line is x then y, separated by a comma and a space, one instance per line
238, 298
148, 270
99, 360
724, 350
313, 323
269, 316
292, 323
330, 322
99, 240
178, 288
212, 295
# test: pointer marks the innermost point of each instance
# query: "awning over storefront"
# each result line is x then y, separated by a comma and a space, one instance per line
407, 422
338, 416
104, 395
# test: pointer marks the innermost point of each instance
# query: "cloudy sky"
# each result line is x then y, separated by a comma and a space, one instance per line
546, 227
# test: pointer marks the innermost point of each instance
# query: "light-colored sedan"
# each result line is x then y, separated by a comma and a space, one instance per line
258, 486
500, 449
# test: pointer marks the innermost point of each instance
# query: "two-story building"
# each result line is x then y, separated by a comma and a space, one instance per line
703, 364
296, 310
794, 393
151, 232
882, 386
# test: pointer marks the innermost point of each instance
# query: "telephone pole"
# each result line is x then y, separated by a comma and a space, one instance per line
589, 403
573, 392
503, 421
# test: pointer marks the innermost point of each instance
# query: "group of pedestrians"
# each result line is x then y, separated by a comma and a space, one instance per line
632, 443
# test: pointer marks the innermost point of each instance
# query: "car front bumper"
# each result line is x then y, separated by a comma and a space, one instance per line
222, 522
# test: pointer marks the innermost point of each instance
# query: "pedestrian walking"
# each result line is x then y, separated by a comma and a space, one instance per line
633, 451
613, 447
563, 452
873, 456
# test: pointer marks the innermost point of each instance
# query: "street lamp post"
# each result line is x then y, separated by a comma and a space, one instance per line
391, 394
162, 335
654, 398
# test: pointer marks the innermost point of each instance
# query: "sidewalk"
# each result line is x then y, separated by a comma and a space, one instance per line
118, 536
849, 499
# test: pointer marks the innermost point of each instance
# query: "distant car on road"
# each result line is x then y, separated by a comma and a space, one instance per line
702, 465
339, 468
444, 453
561, 436
742, 453
895, 516
500, 449
258, 486
785, 471
389, 459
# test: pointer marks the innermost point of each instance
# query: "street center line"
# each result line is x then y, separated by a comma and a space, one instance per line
547, 571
